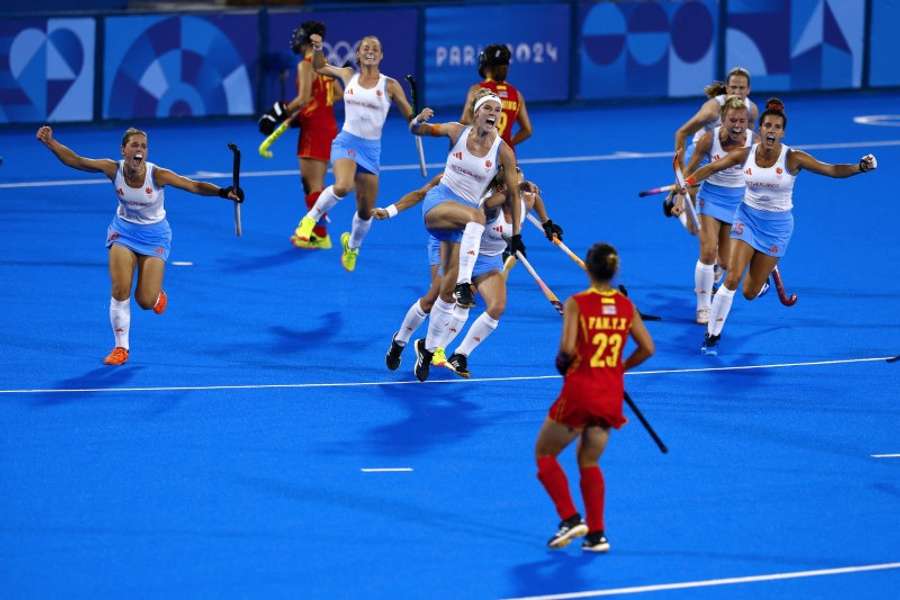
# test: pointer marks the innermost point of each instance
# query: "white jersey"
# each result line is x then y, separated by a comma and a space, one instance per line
497, 231
732, 177
365, 109
771, 188
468, 175
717, 122
144, 205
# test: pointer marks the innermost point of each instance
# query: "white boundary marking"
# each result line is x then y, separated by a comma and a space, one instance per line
713, 582
290, 386
618, 155
181, 263
386, 469
880, 120
885, 455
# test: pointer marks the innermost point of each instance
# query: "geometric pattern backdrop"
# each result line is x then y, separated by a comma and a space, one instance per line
179, 66
46, 69
797, 44
884, 44
638, 48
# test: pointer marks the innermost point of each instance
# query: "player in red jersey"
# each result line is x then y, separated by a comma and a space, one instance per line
596, 323
314, 106
493, 65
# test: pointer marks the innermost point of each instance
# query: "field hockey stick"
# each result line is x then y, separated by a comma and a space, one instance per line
894, 358
236, 182
508, 264
657, 190
279, 131
779, 286
688, 204
556, 241
554, 300
415, 100
640, 416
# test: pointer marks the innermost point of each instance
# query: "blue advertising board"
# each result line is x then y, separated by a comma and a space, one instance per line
884, 44
177, 66
46, 69
636, 48
797, 44
395, 28
536, 34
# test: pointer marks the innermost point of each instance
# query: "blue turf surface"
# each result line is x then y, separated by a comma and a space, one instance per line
257, 492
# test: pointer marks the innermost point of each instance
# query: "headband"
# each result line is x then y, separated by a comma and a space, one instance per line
486, 98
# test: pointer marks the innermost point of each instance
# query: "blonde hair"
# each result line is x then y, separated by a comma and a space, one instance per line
479, 94
133, 131
733, 103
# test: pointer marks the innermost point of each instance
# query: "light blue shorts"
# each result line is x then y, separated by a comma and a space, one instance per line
720, 202
487, 264
438, 195
365, 153
147, 240
766, 231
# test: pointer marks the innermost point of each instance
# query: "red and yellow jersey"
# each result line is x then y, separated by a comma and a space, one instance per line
604, 324
319, 111
509, 100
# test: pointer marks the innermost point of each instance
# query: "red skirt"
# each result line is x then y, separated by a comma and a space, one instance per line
581, 405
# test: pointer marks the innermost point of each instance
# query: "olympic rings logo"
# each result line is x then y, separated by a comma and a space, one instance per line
340, 53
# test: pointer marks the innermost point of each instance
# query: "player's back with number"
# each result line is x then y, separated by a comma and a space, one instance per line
604, 323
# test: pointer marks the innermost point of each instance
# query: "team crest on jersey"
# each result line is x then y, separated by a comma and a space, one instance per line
148, 190
487, 164
608, 309
457, 155
779, 170
378, 93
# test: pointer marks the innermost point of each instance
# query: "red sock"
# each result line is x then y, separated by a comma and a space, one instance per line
319, 230
556, 484
593, 490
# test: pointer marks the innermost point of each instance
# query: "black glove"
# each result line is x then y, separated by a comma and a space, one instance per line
551, 229
563, 362
273, 118
224, 191
516, 245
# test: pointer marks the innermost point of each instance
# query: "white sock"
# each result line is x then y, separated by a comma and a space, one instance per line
415, 316
120, 319
721, 306
458, 318
438, 324
325, 202
468, 251
483, 326
703, 283
359, 230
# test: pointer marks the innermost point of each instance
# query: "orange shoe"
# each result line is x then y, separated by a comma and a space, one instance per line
161, 302
118, 356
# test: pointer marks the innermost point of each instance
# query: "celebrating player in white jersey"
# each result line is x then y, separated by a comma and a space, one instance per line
356, 151
139, 237
763, 223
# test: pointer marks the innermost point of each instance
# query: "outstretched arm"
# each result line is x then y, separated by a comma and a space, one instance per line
69, 158
398, 97
707, 113
321, 66
735, 157
164, 177
408, 200
798, 159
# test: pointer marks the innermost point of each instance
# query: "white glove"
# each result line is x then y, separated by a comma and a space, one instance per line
868, 163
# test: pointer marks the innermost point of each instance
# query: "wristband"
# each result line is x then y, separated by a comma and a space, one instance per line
391, 211
690, 181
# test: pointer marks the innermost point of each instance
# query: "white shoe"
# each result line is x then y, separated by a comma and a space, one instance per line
703, 316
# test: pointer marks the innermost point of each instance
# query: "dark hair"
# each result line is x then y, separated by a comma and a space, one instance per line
493, 56
775, 107
716, 88
741, 71
300, 36
130, 132
602, 261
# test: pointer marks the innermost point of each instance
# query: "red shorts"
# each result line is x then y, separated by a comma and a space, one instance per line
315, 141
579, 408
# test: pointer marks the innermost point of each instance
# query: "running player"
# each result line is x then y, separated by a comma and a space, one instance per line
493, 66
451, 209
356, 151
718, 197
596, 324
314, 105
139, 237
763, 223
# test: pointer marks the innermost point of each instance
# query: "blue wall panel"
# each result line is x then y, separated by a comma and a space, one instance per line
177, 66
46, 69
884, 43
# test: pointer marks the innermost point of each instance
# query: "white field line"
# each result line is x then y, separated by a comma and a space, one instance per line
714, 582
619, 155
386, 470
352, 384
885, 455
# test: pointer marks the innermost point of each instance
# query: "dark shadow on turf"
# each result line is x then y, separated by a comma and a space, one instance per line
101, 377
234, 264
